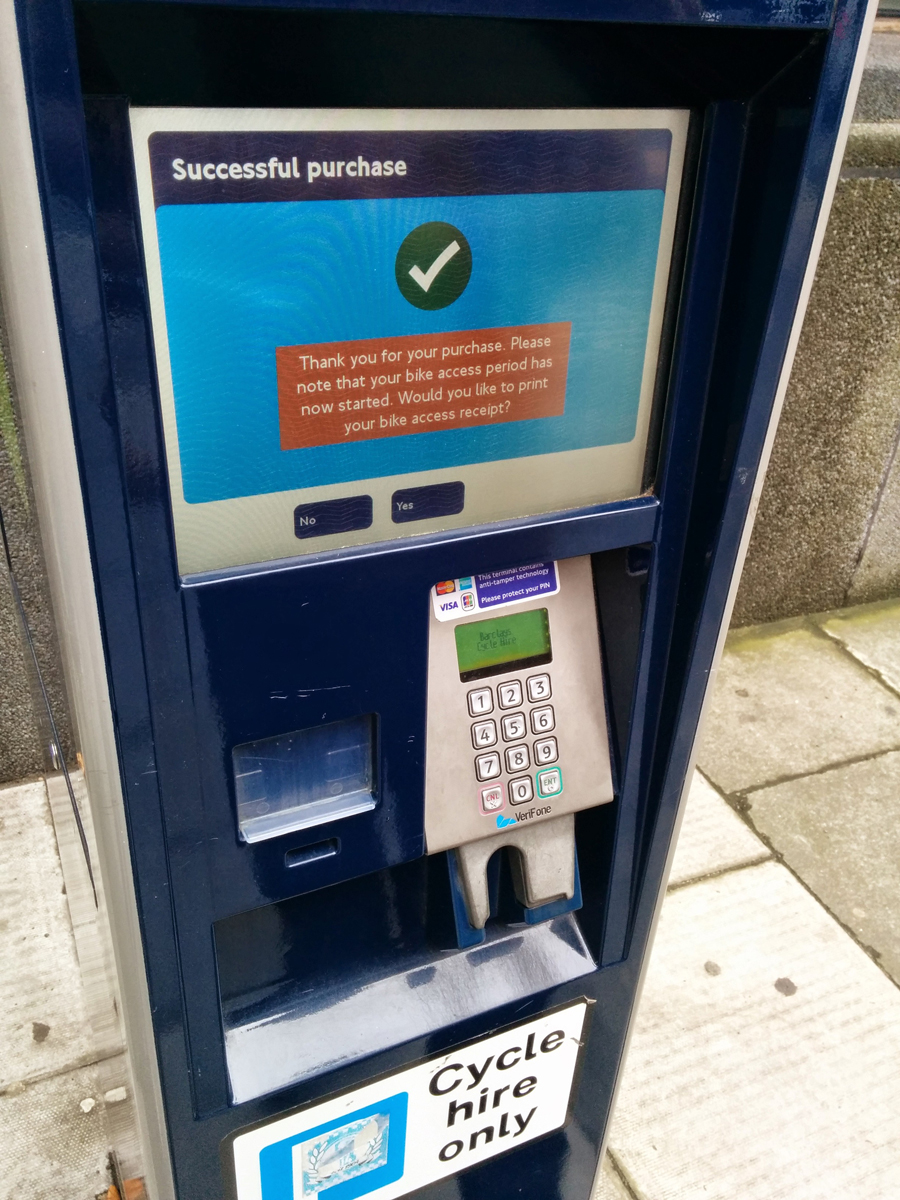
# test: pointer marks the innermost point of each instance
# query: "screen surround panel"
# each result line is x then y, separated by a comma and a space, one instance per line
513, 263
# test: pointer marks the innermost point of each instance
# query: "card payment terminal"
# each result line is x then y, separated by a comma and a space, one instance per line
517, 738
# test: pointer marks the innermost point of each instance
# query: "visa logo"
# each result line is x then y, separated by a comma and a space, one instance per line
449, 605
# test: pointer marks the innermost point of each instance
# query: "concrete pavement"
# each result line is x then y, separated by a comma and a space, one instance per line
764, 1059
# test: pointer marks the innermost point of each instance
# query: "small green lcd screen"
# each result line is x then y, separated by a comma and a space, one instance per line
503, 643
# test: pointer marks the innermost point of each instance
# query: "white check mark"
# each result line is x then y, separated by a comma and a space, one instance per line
426, 278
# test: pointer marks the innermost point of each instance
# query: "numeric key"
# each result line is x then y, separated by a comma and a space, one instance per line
517, 759
484, 733
487, 766
546, 751
543, 720
521, 790
509, 694
538, 688
513, 726
481, 702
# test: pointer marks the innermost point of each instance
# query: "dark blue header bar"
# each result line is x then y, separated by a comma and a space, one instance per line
228, 168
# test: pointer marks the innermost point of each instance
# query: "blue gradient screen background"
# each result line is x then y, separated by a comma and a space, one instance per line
240, 279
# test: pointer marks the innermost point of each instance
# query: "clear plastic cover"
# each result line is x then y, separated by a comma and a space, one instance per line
305, 778
295, 1031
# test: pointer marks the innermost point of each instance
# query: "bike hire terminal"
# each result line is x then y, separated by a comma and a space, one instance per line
419, 371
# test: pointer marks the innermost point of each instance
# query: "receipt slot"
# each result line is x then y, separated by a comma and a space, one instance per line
397, 388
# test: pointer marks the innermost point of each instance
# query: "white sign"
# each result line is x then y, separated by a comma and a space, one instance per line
389, 1138
470, 594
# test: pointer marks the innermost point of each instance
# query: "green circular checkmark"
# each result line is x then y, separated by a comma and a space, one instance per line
433, 265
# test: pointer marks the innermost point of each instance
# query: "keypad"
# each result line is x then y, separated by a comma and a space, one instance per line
535, 718
484, 733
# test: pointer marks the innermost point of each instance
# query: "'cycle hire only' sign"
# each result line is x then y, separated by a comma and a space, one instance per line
391, 1137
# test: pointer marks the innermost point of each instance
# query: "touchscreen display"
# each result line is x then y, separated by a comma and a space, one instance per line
370, 325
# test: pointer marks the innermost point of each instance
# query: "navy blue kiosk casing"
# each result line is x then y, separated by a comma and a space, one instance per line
200, 664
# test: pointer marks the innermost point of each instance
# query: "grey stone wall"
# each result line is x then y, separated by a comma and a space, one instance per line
828, 529
24, 728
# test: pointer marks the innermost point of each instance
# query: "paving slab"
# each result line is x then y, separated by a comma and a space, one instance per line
87, 912
840, 831
790, 702
53, 1139
879, 94
609, 1185
43, 1025
764, 1060
713, 837
871, 633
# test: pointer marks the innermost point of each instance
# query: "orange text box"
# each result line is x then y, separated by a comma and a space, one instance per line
338, 392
